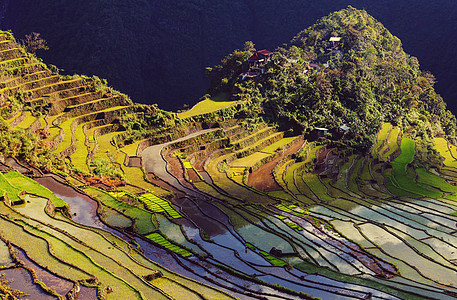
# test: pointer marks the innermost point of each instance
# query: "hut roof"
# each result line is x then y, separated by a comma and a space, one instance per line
344, 127
264, 52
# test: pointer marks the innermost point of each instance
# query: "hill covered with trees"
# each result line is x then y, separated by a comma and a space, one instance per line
164, 47
362, 81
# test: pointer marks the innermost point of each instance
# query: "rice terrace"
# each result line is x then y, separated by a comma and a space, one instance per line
325, 169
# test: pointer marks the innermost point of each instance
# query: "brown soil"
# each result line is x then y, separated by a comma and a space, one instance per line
135, 161
175, 168
262, 179
109, 181
323, 163
193, 175
198, 164
321, 155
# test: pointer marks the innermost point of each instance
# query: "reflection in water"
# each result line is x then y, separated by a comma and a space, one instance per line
57, 284
210, 226
83, 208
22, 280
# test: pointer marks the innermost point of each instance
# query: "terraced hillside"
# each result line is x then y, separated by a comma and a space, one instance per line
138, 203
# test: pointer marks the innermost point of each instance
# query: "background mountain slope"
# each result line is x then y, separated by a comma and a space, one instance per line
156, 51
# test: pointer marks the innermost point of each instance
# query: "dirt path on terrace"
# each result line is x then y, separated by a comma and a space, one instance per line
262, 178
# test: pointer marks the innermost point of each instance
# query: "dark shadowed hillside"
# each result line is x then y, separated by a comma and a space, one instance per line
156, 51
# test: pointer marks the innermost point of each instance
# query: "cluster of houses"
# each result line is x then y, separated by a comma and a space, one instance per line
257, 64
256, 69
258, 60
320, 132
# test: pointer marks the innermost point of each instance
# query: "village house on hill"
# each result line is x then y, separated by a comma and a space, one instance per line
334, 42
257, 64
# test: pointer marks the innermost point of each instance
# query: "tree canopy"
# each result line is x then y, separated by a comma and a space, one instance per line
364, 80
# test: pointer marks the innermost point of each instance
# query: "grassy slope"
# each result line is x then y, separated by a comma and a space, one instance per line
207, 106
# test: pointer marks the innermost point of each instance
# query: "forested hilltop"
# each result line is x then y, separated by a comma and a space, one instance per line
360, 81
157, 51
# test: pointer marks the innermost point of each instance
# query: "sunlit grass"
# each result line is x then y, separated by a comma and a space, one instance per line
207, 106
79, 158
278, 145
442, 146
28, 120
31, 186
382, 135
392, 144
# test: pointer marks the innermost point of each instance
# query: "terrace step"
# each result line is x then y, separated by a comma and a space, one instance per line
94, 105
29, 83
97, 128
27, 121
107, 114
6, 37
55, 87
252, 138
21, 71
267, 140
7, 44
14, 63
241, 133
62, 95
251, 157
8, 54
59, 106
392, 144
78, 150
381, 139
23, 78
231, 131
18, 119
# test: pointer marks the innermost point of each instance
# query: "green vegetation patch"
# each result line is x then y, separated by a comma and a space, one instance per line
12, 191
442, 146
250, 160
382, 136
136, 177
424, 177
66, 127
407, 151
158, 204
131, 149
28, 120
159, 239
401, 180
318, 188
392, 144
33, 187
293, 225
143, 218
284, 208
79, 157
5, 257
273, 260
187, 165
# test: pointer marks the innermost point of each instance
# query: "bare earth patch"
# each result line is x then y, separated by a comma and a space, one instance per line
262, 179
